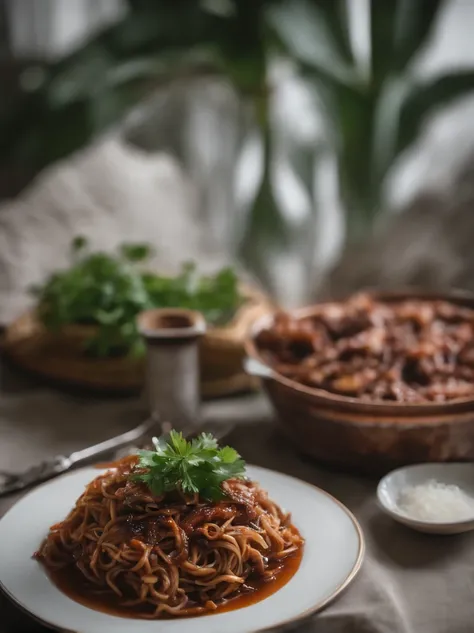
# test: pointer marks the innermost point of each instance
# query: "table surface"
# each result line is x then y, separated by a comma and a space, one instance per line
409, 583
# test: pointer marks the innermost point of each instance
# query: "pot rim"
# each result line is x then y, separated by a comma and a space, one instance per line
375, 407
170, 324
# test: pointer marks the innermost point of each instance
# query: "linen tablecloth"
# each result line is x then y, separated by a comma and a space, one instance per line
409, 582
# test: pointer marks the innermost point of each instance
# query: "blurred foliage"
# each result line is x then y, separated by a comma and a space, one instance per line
373, 113
109, 290
75, 99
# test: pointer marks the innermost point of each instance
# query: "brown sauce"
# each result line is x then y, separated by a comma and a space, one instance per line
73, 584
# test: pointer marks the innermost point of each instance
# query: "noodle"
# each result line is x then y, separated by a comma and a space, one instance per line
173, 555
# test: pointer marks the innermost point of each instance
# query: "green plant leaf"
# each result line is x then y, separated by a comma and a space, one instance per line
414, 25
335, 14
386, 126
136, 252
303, 158
350, 112
79, 243
241, 58
425, 99
63, 132
228, 454
81, 78
140, 68
158, 27
197, 466
140, 5
382, 21
179, 443
399, 29
92, 87
108, 291
304, 29
203, 442
219, 7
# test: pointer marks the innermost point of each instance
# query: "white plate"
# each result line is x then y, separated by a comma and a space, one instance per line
332, 557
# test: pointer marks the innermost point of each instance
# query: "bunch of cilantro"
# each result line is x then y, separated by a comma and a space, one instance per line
196, 466
109, 290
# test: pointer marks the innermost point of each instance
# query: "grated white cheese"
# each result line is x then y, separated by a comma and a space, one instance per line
435, 501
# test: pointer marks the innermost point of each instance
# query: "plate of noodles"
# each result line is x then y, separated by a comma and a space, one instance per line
186, 534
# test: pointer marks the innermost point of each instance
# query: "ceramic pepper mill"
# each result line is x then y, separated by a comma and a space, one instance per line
172, 363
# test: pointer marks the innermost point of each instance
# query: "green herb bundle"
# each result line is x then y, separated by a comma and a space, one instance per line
109, 290
198, 466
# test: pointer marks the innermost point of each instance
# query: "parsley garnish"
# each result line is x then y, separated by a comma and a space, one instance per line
195, 466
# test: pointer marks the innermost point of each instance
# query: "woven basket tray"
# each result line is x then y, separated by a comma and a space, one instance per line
59, 356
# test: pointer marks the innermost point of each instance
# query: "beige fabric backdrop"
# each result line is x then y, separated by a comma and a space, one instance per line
109, 193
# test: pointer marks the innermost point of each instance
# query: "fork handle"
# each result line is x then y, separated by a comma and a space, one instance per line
114, 442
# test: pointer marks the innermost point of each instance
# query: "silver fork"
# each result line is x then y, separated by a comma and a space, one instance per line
13, 482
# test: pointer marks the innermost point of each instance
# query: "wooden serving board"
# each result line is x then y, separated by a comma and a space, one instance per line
59, 357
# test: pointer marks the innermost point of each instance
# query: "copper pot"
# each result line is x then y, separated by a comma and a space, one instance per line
366, 437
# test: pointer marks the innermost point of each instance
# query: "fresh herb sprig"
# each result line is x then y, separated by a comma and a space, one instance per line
196, 466
109, 290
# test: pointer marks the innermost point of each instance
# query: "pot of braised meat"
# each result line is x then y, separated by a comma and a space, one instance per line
375, 381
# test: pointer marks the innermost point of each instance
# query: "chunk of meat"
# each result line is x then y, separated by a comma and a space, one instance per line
207, 514
356, 383
406, 351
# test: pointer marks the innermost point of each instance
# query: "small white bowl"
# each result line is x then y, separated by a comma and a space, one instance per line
390, 487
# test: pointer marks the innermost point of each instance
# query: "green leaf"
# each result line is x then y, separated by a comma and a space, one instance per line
205, 441
231, 469
337, 19
160, 445
109, 291
136, 252
138, 69
199, 466
79, 243
303, 159
76, 81
305, 31
413, 28
228, 455
219, 7
399, 30
402, 111
382, 20
386, 126
146, 459
426, 99
59, 132
353, 112
178, 442
93, 86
